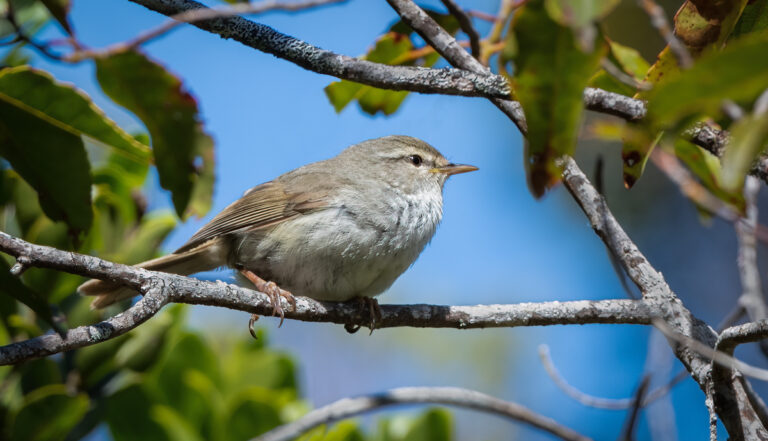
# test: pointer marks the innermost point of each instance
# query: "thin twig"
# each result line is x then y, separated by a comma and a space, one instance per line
752, 298
466, 25
600, 402
622, 76
628, 434
193, 16
690, 187
717, 356
453, 396
660, 22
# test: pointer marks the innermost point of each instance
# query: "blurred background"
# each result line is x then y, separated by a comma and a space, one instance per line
496, 243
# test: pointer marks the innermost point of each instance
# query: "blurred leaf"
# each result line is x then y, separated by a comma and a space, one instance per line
708, 170
578, 13
130, 417
580, 16
12, 286
51, 159
96, 363
251, 365
176, 427
37, 92
254, 413
738, 72
170, 114
15, 57
432, 425
551, 73
48, 414
145, 345
753, 19
169, 376
749, 137
30, 14
36, 374
701, 25
59, 10
629, 61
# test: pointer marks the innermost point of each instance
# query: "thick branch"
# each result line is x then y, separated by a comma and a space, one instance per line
266, 39
179, 289
453, 396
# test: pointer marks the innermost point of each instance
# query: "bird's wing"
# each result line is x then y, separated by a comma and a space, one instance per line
261, 207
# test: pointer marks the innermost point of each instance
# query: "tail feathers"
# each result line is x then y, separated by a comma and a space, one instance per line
207, 256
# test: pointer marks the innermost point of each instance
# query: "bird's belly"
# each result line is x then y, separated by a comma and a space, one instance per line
329, 255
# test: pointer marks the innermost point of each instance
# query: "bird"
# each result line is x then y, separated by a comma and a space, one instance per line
334, 230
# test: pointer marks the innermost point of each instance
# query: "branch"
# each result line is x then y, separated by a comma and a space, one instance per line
266, 39
191, 16
466, 25
169, 288
471, 79
454, 396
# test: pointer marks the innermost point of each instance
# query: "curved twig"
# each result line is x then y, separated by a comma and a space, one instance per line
453, 396
600, 402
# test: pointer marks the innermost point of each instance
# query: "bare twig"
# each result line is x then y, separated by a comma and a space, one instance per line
622, 76
717, 356
180, 289
453, 396
195, 15
752, 298
466, 25
266, 39
628, 434
660, 22
600, 402
690, 187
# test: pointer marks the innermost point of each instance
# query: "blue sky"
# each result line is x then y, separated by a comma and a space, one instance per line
496, 243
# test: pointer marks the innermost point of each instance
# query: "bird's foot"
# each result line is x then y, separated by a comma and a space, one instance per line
274, 293
370, 305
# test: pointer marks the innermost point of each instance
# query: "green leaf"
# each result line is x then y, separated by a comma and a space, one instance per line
708, 169
749, 137
12, 286
739, 72
252, 414
551, 73
30, 14
51, 159
130, 417
579, 13
170, 114
432, 425
629, 61
753, 19
388, 49
37, 92
48, 414
393, 48
176, 427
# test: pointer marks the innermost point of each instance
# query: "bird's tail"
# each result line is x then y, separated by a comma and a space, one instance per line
205, 257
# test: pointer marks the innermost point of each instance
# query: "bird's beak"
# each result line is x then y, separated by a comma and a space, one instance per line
454, 169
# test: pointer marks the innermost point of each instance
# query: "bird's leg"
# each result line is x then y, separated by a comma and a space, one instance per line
374, 312
273, 292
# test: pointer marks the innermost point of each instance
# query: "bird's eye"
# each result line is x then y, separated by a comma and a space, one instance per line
415, 160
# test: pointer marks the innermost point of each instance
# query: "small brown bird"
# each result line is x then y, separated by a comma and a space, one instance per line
332, 230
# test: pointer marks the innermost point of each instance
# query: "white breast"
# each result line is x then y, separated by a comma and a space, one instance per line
356, 249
